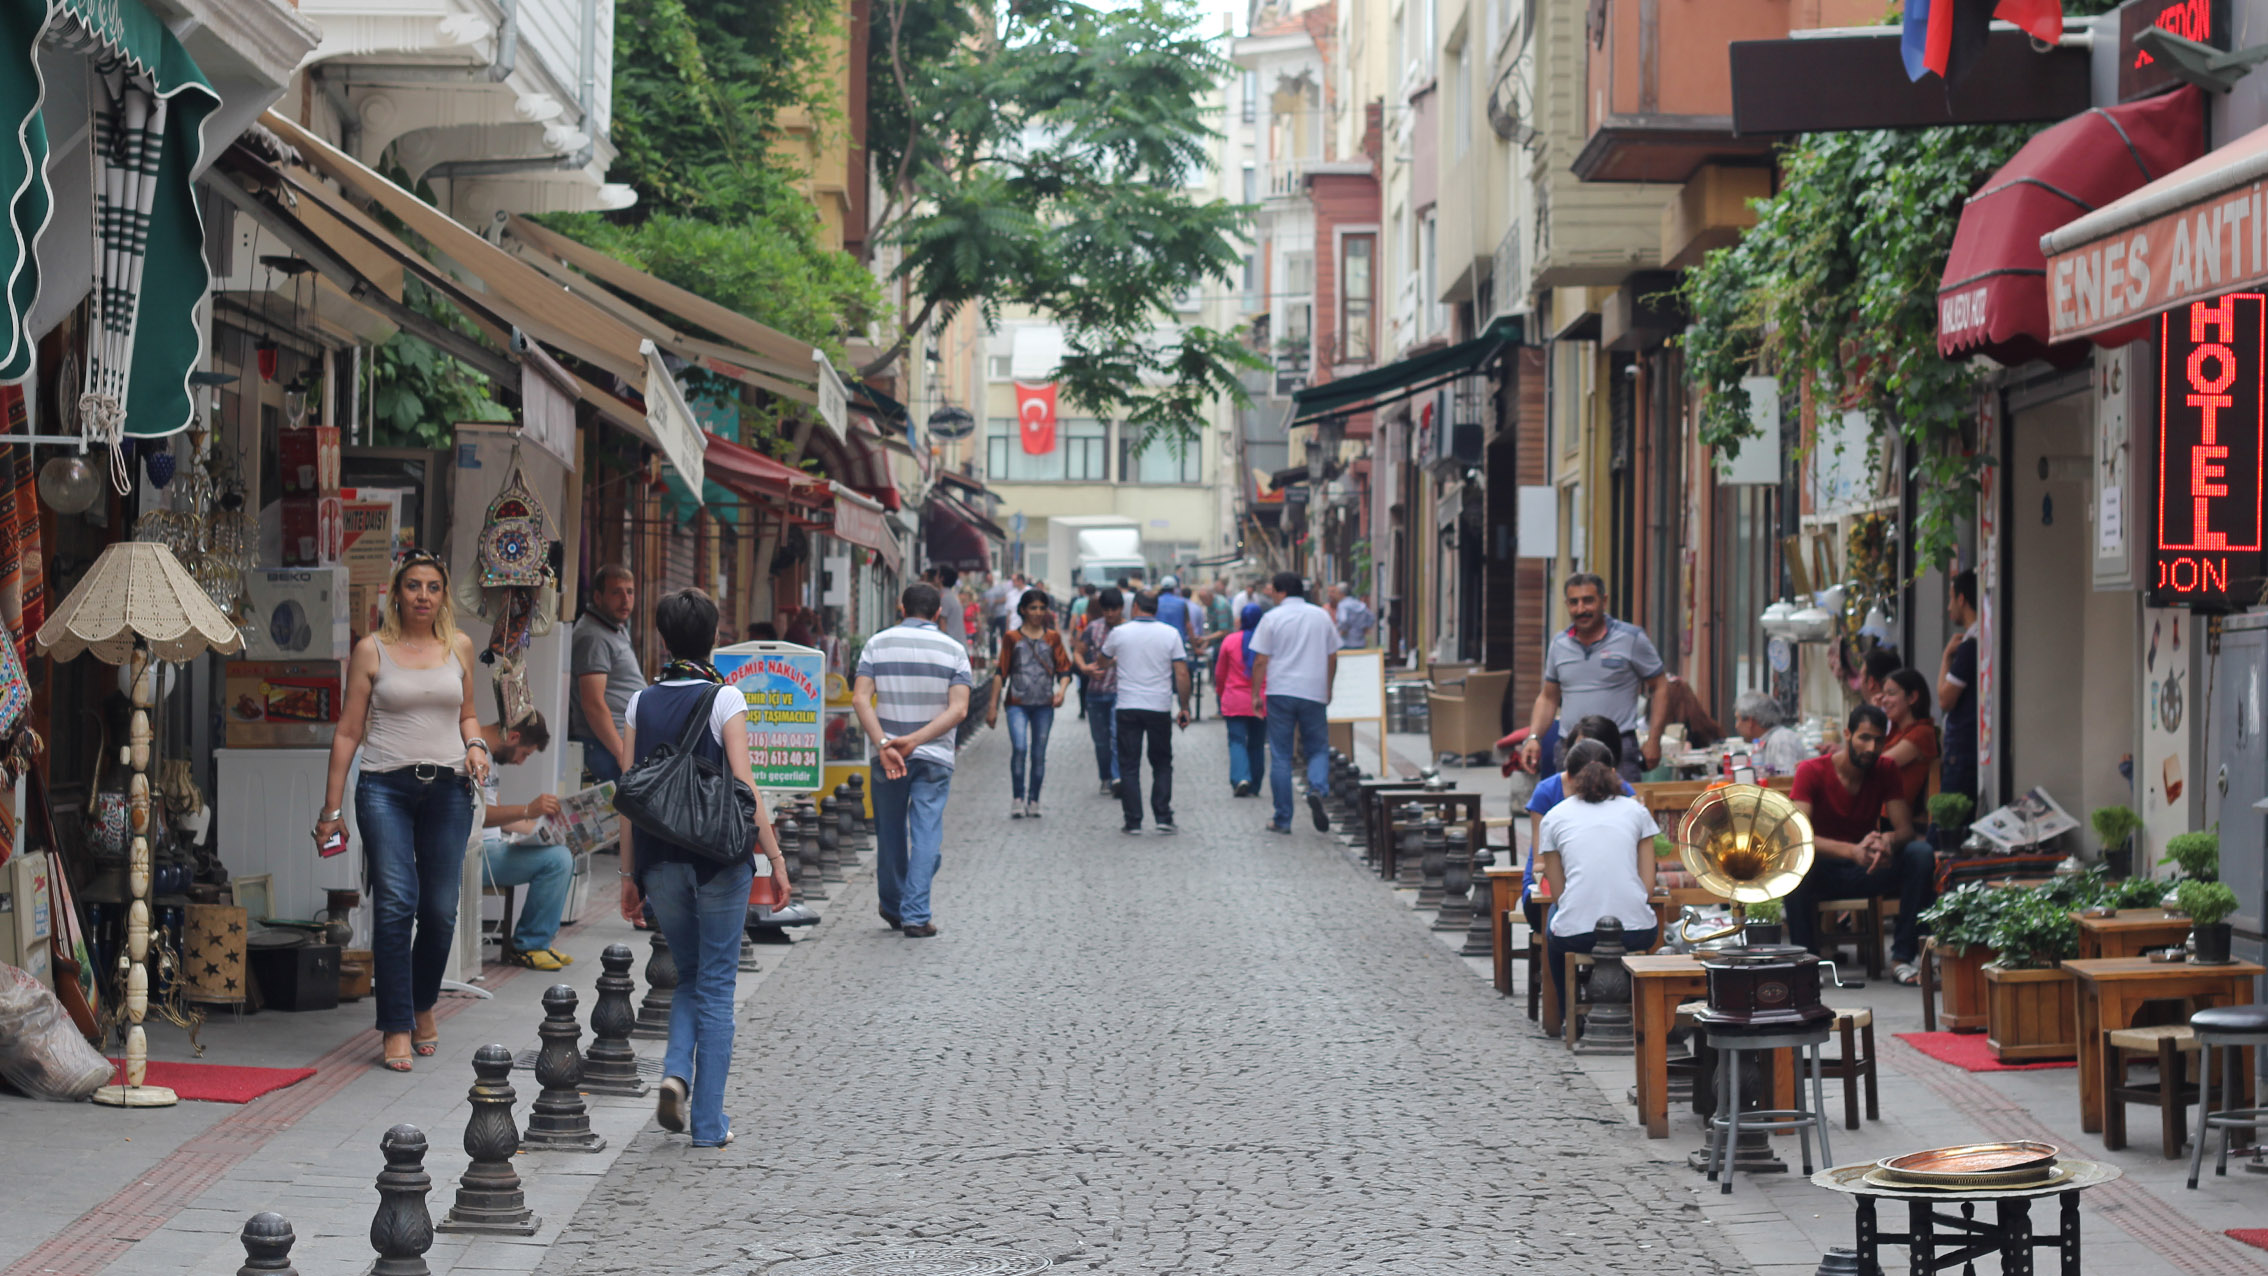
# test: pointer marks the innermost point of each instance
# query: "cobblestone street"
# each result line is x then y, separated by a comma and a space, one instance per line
1218, 1051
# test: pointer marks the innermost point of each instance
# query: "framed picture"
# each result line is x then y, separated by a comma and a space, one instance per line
254, 896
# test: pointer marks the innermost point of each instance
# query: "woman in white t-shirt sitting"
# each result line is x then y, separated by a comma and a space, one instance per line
1597, 851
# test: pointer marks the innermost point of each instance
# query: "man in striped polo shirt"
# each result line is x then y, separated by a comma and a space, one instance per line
912, 690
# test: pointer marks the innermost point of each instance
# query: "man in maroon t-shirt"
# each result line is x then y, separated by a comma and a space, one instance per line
1849, 795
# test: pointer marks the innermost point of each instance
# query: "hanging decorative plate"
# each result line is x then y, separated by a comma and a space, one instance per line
515, 551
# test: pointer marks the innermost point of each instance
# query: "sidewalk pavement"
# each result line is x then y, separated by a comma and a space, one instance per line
160, 1191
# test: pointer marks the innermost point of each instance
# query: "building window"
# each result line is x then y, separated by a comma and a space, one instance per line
1252, 183
1358, 299
1251, 95
1428, 308
1081, 455
1159, 462
1461, 100
998, 367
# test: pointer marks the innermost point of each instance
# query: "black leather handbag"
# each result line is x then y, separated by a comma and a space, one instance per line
681, 797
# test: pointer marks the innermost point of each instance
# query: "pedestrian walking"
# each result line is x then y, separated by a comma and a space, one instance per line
1106, 613
1152, 662
1597, 853
1035, 670
699, 901
912, 689
605, 669
409, 710
1352, 615
1296, 648
1600, 665
1245, 714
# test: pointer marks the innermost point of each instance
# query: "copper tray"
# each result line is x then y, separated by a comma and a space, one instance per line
2042, 1177
1973, 1164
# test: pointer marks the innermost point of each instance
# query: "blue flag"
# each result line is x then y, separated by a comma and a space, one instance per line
1913, 39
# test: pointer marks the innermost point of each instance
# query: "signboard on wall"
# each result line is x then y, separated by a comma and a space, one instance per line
2141, 73
2207, 533
2121, 397
784, 684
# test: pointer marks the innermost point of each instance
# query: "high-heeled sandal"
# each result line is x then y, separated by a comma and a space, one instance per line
395, 1062
425, 1046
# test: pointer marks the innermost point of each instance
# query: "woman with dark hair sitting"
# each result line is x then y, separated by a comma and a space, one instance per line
700, 902
1597, 851
1906, 697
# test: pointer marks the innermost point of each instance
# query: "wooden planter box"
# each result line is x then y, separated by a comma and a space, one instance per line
2030, 1014
1961, 983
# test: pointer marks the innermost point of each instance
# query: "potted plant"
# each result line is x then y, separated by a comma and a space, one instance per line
1949, 819
2115, 827
2197, 855
1766, 923
2208, 905
2030, 1012
1960, 927
2134, 892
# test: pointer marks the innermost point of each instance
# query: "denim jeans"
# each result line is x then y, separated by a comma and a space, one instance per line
909, 836
414, 833
599, 761
702, 925
1289, 715
1910, 873
547, 872
1247, 750
1102, 724
1137, 727
1556, 948
1028, 727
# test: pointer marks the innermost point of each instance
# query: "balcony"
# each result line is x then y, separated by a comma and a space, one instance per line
504, 105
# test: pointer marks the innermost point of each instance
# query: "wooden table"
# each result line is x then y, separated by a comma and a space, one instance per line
2129, 932
1503, 897
2111, 989
1658, 986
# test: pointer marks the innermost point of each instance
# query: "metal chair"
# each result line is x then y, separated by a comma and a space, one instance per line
1728, 1120
2222, 1034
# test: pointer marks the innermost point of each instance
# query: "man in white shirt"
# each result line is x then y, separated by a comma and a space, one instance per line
1152, 665
1352, 615
1297, 646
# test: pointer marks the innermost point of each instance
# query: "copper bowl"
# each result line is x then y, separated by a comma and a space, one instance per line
1974, 1164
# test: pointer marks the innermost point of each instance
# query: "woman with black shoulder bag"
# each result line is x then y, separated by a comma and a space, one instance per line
698, 881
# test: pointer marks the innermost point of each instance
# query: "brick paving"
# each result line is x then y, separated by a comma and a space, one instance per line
1222, 1051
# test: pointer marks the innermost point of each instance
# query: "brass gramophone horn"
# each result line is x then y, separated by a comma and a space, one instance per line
1746, 844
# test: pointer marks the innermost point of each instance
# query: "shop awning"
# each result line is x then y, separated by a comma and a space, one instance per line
151, 243
756, 476
2195, 232
675, 431
1994, 296
954, 535
862, 521
1414, 375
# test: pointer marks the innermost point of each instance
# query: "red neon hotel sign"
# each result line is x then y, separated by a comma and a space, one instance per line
2212, 433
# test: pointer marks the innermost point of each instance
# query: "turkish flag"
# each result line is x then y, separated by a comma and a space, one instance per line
1035, 418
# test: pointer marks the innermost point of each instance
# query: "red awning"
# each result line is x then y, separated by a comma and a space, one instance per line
1994, 296
756, 476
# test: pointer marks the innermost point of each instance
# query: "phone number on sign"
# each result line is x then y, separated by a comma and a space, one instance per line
785, 757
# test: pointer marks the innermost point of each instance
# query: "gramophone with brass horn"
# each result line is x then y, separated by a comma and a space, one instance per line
1749, 844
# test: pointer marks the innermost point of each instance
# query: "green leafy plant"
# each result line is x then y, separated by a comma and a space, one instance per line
2134, 892
2032, 931
1770, 912
2115, 825
1664, 848
421, 394
2206, 903
2197, 855
1962, 918
1951, 810
2084, 889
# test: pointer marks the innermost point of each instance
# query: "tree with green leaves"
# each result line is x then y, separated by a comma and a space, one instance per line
1040, 156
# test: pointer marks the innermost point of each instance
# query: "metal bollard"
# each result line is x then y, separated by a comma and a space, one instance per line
1607, 1025
559, 1121
267, 1246
830, 843
789, 832
610, 1066
859, 816
812, 886
1840, 1262
401, 1231
1431, 864
846, 824
1409, 845
489, 1198
661, 991
1480, 933
1456, 884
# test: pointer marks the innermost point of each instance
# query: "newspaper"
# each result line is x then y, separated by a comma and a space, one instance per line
2028, 821
591, 823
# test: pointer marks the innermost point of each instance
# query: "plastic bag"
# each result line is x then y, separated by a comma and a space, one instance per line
41, 1051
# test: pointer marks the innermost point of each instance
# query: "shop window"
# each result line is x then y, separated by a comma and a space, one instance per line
1358, 299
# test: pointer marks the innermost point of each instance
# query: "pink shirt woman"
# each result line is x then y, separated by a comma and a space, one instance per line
1248, 733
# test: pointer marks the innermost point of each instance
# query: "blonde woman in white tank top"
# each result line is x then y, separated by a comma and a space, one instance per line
409, 712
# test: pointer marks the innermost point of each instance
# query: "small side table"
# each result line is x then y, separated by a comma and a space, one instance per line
1939, 1239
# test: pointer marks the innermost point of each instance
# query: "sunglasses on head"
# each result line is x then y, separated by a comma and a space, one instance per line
419, 558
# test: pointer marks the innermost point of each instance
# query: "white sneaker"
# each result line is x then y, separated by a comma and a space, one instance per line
1031, 809
1016, 809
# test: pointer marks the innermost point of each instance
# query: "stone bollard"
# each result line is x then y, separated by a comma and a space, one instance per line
813, 886
559, 1121
1456, 883
401, 1231
830, 843
1409, 854
489, 1199
1607, 1024
1480, 932
610, 1066
661, 991
267, 1246
788, 830
748, 963
846, 823
1431, 864
1840, 1262
859, 817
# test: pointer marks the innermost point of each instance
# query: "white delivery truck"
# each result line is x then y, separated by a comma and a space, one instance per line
1092, 549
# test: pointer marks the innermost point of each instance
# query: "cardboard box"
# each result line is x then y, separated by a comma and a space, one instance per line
297, 614
366, 549
271, 704
300, 520
307, 461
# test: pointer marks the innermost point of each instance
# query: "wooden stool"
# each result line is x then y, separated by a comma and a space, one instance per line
1855, 1065
2172, 1094
1872, 919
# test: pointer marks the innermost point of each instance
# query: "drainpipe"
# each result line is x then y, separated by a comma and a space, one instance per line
586, 100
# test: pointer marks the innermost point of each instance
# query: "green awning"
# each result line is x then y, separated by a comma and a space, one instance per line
1414, 375
156, 297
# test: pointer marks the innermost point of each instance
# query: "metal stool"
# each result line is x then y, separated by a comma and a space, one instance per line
1733, 1043
2222, 1034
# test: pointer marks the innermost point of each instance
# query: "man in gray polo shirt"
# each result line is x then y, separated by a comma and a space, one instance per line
1599, 665
604, 667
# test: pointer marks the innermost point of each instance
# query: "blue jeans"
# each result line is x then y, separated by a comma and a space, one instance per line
702, 925
1288, 715
1910, 874
1028, 726
546, 871
1102, 724
599, 761
414, 833
909, 836
1247, 750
